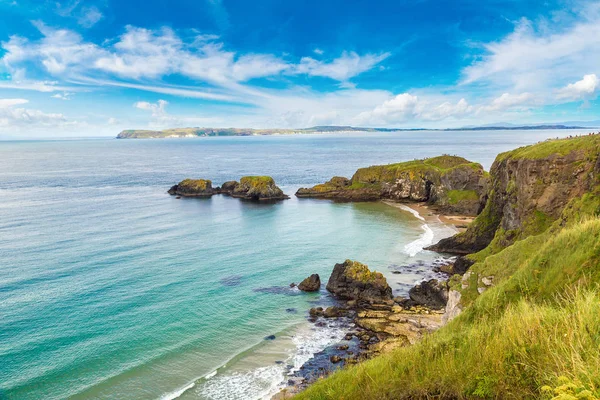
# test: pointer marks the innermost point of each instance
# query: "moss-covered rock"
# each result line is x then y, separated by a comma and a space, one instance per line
529, 189
193, 188
452, 184
259, 188
353, 280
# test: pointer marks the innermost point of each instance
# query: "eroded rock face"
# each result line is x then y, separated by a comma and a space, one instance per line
192, 188
260, 188
529, 189
451, 184
352, 280
310, 284
432, 293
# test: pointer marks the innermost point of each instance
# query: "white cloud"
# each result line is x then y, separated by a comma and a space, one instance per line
407, 107
347, 66
507, 101
5, 103
584, 89
89, 17
318, 51
16, 118
152, 54
536, 58
62, 96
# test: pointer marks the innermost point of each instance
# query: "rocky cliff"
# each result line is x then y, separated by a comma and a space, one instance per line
529, 189
450, 184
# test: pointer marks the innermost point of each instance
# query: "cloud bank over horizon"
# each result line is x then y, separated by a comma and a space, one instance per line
63, 70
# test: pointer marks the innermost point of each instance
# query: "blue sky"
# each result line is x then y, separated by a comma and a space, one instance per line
94, 67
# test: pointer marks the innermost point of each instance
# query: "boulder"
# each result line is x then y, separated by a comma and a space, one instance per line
228, 187
193, 188
352, 280
258, 188
432, 293
334, 312
310, 284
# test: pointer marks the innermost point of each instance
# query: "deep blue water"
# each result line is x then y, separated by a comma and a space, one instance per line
110, 288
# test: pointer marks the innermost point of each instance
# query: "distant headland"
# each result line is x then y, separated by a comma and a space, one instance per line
201, 132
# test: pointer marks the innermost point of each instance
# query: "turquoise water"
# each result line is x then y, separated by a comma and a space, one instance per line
110, 288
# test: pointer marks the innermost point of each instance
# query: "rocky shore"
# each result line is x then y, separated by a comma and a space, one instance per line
254, 188
375, 322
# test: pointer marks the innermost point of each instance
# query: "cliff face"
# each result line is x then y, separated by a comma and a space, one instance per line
451, 184
530, 187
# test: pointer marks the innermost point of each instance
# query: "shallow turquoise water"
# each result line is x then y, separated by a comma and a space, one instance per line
109, 288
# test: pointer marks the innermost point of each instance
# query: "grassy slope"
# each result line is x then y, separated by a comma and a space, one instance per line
534, 334
536, 326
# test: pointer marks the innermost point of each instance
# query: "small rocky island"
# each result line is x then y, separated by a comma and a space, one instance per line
449, 184
255, 188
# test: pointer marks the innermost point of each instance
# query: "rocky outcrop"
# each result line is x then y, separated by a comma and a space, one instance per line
529, 189
432, 294
192, 188
352, 280
227, 187
310, 284
448, 183
257, 188
260, 188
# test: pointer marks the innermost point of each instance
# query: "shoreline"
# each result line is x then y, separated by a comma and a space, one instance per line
339, 337
427, 320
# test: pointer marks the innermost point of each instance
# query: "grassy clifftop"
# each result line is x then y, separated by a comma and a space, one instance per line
529, 326
447, 182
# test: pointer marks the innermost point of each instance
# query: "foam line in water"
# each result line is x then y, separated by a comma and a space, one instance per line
415, 247
177, 393
413, 212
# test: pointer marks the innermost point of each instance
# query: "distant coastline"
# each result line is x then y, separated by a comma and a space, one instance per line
204, 132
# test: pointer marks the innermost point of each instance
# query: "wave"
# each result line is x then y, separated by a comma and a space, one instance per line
264, 382
177, 393
415, 247
426, 239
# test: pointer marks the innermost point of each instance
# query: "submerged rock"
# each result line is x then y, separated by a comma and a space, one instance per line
259, 188
193, 188
352, 280
432, 293
310, 284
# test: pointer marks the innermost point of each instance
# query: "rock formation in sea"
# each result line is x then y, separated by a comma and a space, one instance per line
448, 183
256, 188
261, 188
310, 284
352, 280
192, 188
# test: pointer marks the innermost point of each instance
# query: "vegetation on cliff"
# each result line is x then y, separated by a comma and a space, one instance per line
261, 188
450, 183
529, 327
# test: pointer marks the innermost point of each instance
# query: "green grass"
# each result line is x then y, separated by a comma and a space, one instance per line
587, 143
534, 334
457, 196
195, 185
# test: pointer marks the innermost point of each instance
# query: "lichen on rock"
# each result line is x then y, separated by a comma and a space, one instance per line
352, 280
260, 188
193, 188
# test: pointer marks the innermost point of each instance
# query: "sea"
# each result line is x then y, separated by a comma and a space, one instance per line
112, 289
